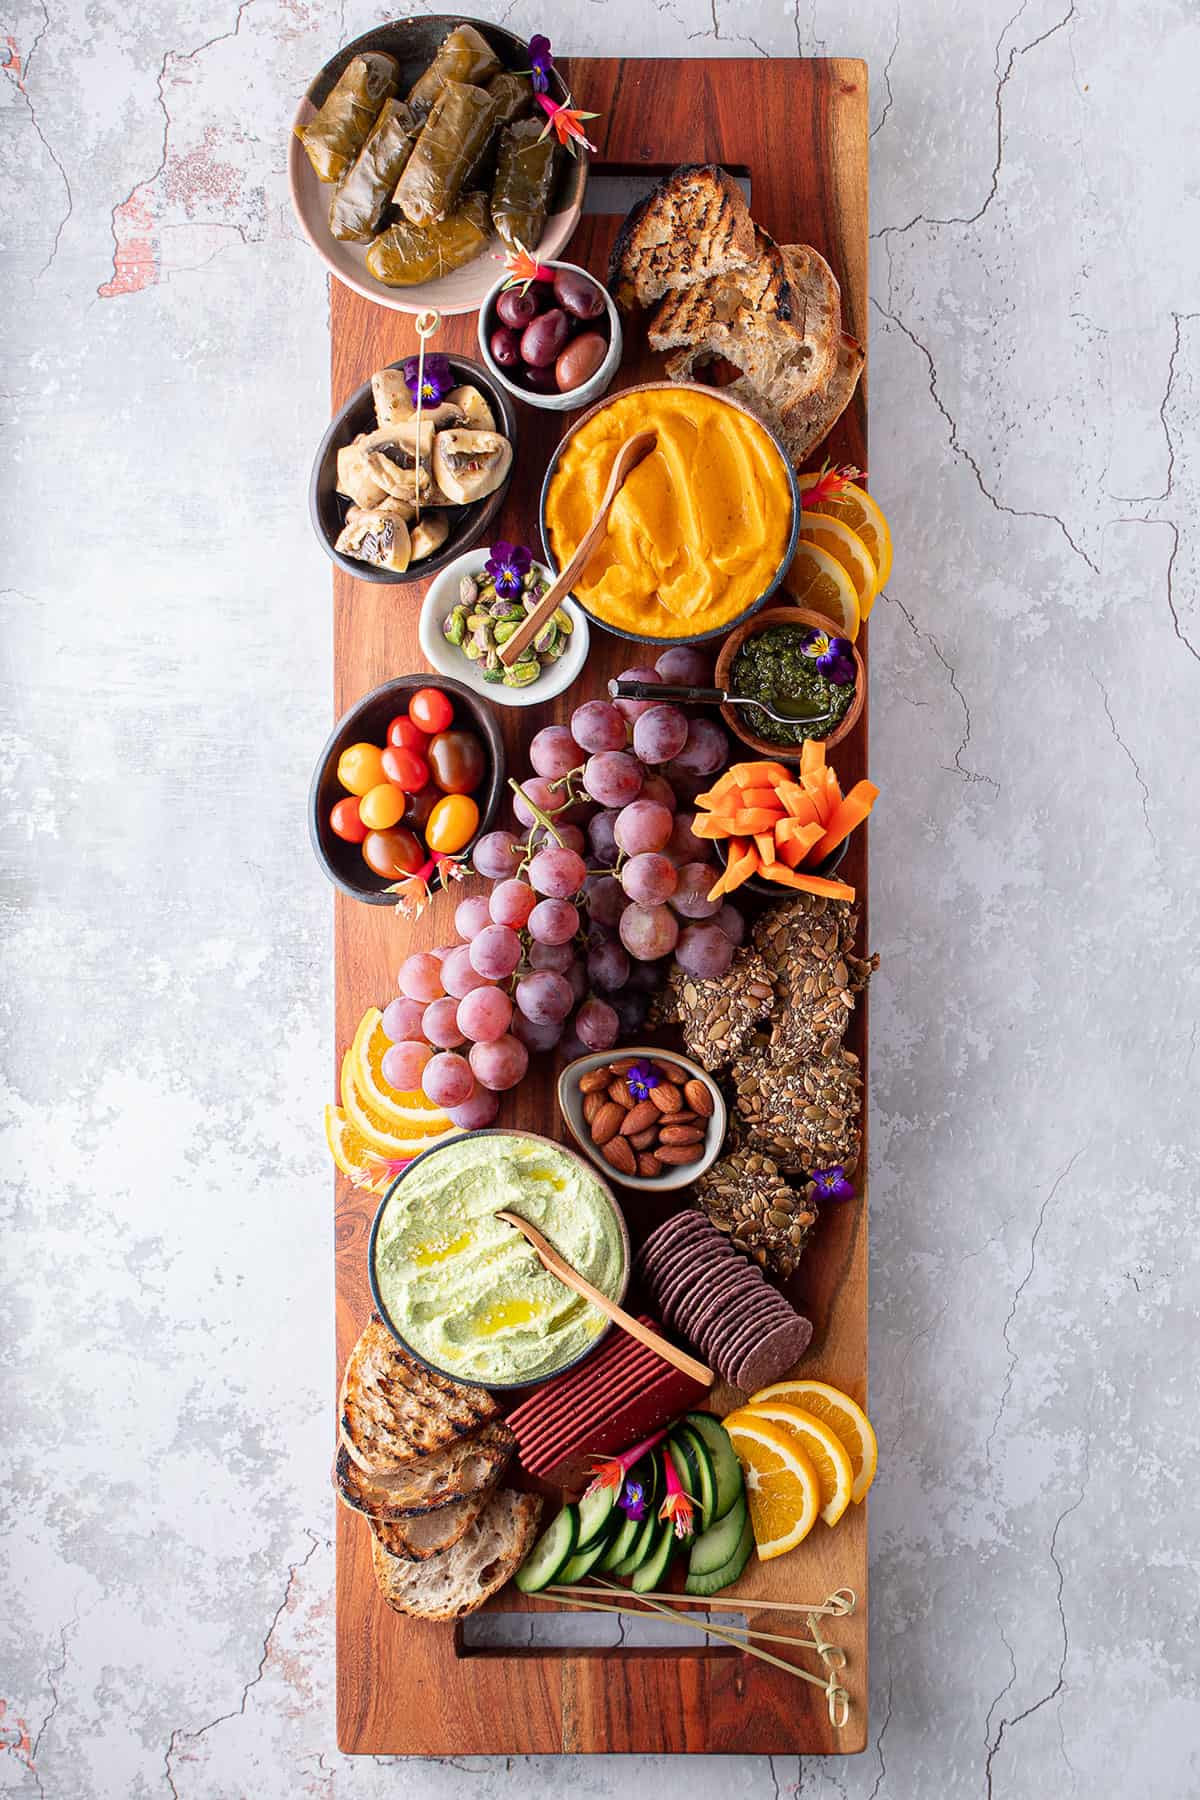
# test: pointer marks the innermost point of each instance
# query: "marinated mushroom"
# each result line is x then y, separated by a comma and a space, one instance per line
391, 456
477, 414
354, 477
373, 536
393, 402
469, 464
429, 535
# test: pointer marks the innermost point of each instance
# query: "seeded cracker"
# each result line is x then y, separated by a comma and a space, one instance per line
806, 945
803, 1118
747, 1198
718, 1017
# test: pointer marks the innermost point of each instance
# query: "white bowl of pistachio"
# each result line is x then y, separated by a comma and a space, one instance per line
476, 603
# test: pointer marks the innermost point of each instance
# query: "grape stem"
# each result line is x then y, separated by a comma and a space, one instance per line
544, 819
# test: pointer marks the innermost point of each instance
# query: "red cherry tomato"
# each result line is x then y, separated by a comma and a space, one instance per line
404, 768
405, 735
345, 822
430, 710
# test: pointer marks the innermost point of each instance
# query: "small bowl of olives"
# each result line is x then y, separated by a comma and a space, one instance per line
554, 344
464, 622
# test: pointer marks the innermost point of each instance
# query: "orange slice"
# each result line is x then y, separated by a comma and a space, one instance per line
822, 1446
817, 581
781, 1484
841, 1414
855, 507
833, 534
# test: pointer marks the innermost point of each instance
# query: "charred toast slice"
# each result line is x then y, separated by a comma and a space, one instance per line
692, 226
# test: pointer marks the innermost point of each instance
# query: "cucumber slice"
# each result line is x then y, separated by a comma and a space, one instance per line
585, 1559
641, 1547
716, 1546
729, 1572
653, 1570
705, 1490
551, 1554
727, 1470
595, 1511
619, 1546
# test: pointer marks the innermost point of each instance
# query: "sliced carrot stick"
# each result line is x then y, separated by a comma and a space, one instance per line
795, 848
720, 886
796, 802
812, 756
764, 843
751, 819
709, 825
833, 789
758, 774
789, 829
760, 796
809, 884
849, 813
743, 862
814, 786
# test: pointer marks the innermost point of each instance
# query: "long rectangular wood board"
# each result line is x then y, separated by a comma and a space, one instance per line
798, 129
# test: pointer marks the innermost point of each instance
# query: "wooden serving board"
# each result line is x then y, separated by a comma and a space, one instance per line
798, 129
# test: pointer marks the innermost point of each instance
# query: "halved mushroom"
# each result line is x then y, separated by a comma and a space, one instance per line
469, 464
477, 414
429, 535
393, 402
391, 459
354, 477
371, 535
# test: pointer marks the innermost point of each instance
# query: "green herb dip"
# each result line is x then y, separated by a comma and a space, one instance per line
772, 666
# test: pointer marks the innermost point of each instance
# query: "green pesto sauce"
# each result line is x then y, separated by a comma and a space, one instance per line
772, 666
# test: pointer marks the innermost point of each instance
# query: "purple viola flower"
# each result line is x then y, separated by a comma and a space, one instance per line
633, 1500
436, 380
508, 566
832, 656
641, 1078
832, 1183
541, 63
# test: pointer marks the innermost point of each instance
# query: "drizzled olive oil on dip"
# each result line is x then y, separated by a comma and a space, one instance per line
466, 1290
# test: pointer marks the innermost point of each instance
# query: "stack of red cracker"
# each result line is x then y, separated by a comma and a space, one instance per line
621, 1394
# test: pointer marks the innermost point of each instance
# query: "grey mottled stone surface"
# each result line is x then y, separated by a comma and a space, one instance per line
166, 1321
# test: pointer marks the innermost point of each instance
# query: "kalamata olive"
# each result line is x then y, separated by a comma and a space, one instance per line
542, 381
544, 337
456, 761
542, 295
580, 360
515, 308
578, 294
505, 346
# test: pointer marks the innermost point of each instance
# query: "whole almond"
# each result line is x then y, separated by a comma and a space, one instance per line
699, 1098
645, 1140
591, 1105
669, 1071
619, 1091
595, 1081
607, 1122
619, 1154
648, 1166
639, 1117
623, 1066
666, 1098
681, 1134
676, 1153
683, 1118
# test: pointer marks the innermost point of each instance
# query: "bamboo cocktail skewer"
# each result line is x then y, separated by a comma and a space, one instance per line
550, 1259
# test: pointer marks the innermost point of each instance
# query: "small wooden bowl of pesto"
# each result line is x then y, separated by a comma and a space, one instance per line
764, 659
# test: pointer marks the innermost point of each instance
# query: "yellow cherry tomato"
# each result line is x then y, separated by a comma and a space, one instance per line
452, 823
381, 807
360, 768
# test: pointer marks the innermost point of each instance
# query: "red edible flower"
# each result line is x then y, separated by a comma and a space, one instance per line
566, 122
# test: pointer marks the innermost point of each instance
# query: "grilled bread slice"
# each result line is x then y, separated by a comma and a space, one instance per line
459, 1580
694, 316
472, 1465
394, 1410
693, 225
804, 425
429, 1534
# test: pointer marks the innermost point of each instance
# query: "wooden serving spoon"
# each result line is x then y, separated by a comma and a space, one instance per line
550, 1259
631, 453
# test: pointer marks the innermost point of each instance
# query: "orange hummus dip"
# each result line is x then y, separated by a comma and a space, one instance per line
700, 528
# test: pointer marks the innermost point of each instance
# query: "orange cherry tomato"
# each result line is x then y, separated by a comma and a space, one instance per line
393, 853
360, 768
405, 735
381, 807
430, 710
452, 823
405, 767
344, 821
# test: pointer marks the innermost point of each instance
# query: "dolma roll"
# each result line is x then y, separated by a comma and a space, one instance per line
452, 139
463, 55
524, 183
335, 136
407, 254
357, 208
513, 95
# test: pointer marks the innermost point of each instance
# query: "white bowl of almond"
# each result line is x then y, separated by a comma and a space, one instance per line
650, 1118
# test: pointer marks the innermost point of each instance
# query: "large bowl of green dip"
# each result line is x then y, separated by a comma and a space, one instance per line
465, 1292
764, 659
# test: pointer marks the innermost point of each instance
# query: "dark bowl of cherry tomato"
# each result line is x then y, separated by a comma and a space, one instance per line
416, 766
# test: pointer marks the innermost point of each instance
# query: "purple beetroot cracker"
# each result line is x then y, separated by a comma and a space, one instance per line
775, 1356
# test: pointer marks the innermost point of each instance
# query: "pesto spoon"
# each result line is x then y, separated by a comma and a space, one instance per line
793, 712
551, 1260
633, 451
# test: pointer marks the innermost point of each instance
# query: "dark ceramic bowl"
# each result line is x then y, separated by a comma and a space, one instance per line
499, 1386
697, 637
413, 42
774, 890
327, 508
367, 722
